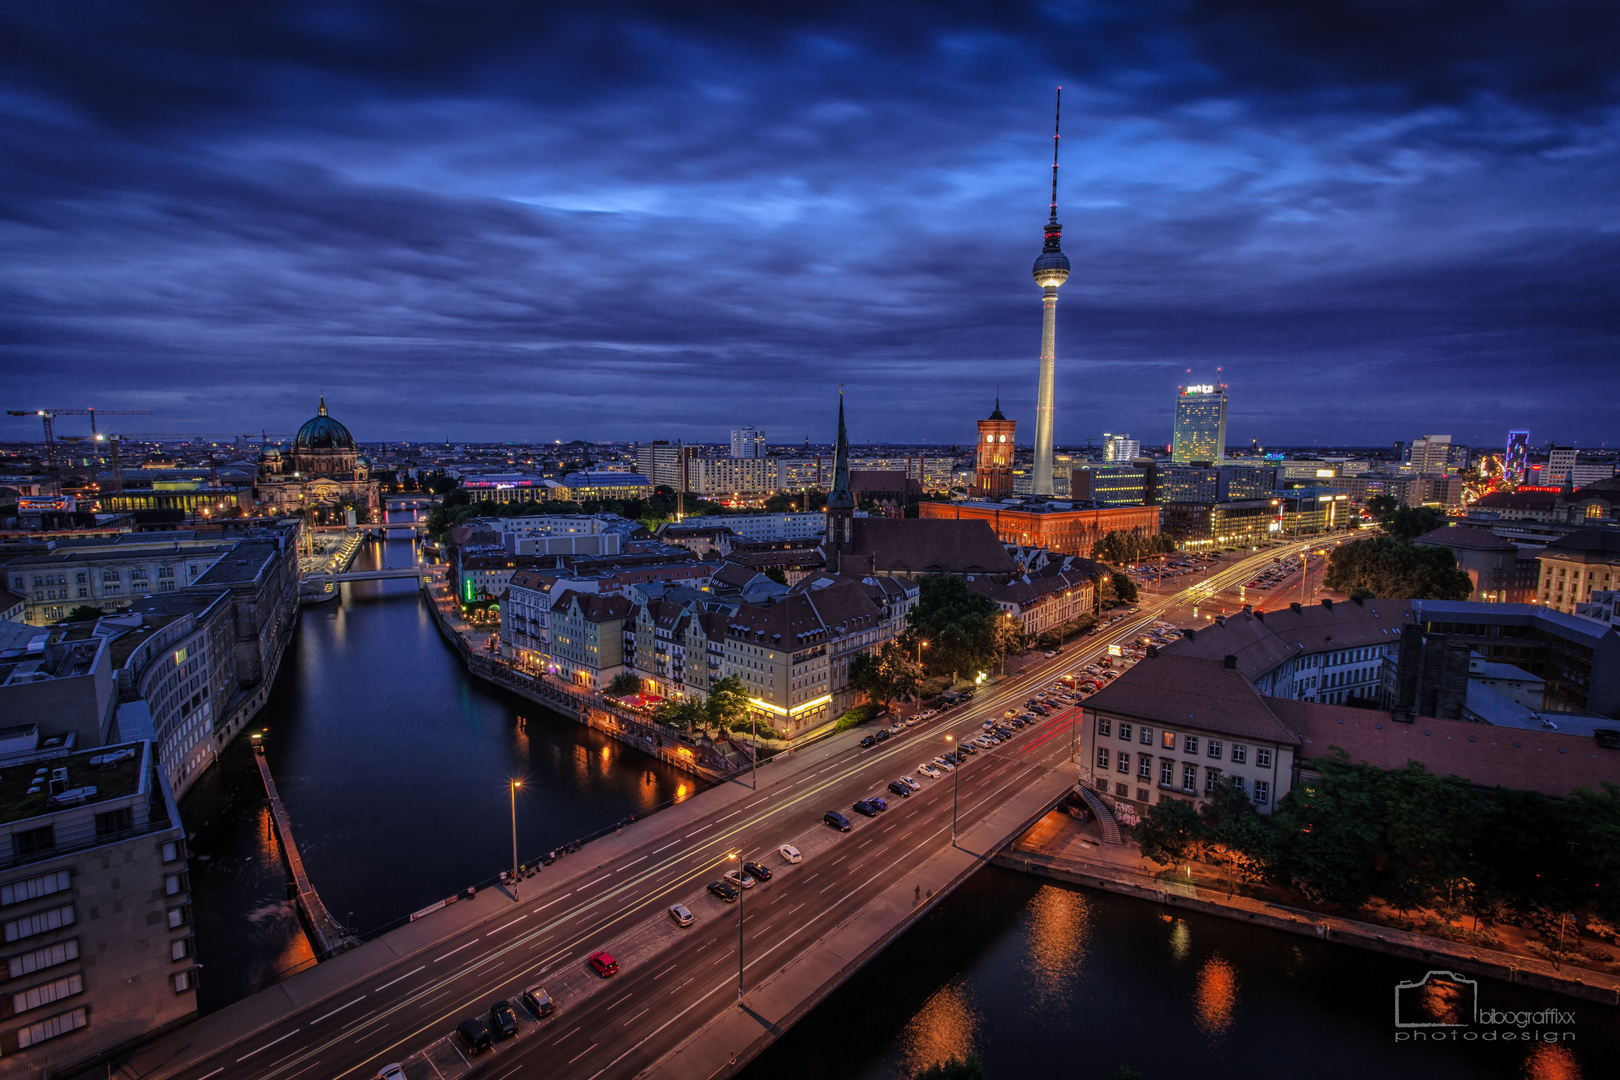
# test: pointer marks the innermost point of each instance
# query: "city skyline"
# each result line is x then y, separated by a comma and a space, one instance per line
428, 220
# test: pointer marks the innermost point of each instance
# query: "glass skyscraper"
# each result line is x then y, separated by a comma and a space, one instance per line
1200, 425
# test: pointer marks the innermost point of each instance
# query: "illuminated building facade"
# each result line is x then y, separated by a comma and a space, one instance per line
1067, 532
1200, 434
1518, 452
1050, 271
992, 470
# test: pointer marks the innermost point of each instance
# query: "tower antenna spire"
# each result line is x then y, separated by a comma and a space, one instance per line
1057, 114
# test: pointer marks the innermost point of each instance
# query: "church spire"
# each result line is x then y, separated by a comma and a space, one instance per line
840, 496
323, 404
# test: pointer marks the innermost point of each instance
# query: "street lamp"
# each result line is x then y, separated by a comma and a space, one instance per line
736, 857
921, 645
515, 785
956, 788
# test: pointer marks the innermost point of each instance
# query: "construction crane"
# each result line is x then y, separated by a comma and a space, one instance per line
49, 415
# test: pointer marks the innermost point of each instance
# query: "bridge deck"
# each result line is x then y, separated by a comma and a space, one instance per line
326, 932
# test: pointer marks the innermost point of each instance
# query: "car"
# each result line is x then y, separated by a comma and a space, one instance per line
870, 740
724, 891
881, 735
760, 871
865, 808
900, 789
1009, 714
911, 721
929, 771
837, 821
878, 801
475, 1035
944, 764
391, 1072
740, 877
503, 1019
604, 964
680, 915
968, 748
539, 1002
895, 729
988, 724
1049, 654
790, 854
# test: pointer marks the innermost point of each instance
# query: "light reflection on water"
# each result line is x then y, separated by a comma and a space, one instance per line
1216, 996
944, 1028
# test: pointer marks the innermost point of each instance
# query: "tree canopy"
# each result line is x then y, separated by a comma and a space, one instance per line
1383, 566
961, 628
885, 673
1123, 547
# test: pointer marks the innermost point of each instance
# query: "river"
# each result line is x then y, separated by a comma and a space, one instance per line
394, 765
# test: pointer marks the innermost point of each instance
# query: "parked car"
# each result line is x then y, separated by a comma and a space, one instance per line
475, 1035
929, 771
539, 1002
391, 1072
900, 789
837, 821
503, 1019
870, 740
680, 915
740, 877
724, 891
881, 735
760, 871
790, 854
943, 764
604, 965
878, 801
911, 782
864, 807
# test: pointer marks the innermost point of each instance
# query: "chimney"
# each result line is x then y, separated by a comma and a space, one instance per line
1188, 632
1221, 619
1230, 661
1296, 606
1153, 652
1327, 603
1248, 609
1260, 615
1360, 600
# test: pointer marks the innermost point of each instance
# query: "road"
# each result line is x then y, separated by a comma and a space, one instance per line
672, 980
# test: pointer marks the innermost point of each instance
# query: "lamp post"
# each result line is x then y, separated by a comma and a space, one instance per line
956, 788
921, 645
514, 789
736, 857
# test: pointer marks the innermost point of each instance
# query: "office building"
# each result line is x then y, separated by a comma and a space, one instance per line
728, 478
1502, 572
1576, 566
1560, 463
993, 461
747, 442
664, 464
606, 486
1516, 460
1120, 448
1219, 524
1110, 485
1429, 454
1200, 433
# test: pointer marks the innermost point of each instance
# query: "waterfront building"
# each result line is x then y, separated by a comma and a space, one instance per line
322, 468
109, 573
1575, 566
587, 637
96, 904
747, 442
189, 497
1200, 432
993, 460
1059, 527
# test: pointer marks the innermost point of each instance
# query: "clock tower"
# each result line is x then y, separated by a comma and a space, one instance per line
992, 470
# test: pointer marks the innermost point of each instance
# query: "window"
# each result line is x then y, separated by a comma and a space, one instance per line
174, 884
1210, 776
179, 916
1262, 757
1240, 753
1144, 766
39, 922
1124, 731
1167, 740
33, 888
1262, 791
1167, 773
1237, 784
109, 575
1104, 725
34, 841
56, 990
1190, 745
180, 948
1102, 757
182, 981
1189, 778
171, 850
1123, 763
47, 956
1214, 750
34, 1034
1147, 737
114, 822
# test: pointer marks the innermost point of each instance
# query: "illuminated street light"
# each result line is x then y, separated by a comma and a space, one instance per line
515, 785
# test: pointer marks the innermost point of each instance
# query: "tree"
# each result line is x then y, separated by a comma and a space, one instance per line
681, 712
1413, 521
953, 1068
776, 574
624, 684
1381, 505
727, 706
959, 626
1386, 567
1169, 832
885, 673
84, 613
1124, 587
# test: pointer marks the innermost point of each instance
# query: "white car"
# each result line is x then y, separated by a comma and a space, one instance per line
911, 782
941, 763
391, 1072
680, 915
740, 879
790, 854
911, 721
929, 771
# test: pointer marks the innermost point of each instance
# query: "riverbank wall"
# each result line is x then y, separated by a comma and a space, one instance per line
1437, 953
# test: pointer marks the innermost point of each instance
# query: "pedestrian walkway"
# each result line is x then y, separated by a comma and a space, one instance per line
327, 934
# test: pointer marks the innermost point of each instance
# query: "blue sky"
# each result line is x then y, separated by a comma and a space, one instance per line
635, 221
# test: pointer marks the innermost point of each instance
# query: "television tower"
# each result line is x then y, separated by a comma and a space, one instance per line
1051, 270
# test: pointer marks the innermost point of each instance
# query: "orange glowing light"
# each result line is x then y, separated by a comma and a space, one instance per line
1215, 996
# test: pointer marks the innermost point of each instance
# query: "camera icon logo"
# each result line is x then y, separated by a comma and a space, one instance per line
1438, 1000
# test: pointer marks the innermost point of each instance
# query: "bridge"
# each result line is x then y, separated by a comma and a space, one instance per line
326, 933
691, 1002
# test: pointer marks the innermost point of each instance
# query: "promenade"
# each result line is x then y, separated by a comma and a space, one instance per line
326, 933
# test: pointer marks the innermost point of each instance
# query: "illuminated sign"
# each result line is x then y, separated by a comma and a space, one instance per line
1114, 650
1324, 474
1204, 388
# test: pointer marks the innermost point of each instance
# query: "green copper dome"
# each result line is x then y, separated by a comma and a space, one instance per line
323, 433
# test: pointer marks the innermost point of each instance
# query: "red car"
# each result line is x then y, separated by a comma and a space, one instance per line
604, 965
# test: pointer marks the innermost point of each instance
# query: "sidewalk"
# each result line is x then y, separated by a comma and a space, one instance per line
1067, 850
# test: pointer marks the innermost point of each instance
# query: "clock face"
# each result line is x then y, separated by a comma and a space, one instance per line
1004, 438
989, 438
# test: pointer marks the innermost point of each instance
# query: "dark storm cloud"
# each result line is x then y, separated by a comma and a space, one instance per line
610, 220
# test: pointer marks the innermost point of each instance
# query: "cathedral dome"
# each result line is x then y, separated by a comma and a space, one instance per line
323, 433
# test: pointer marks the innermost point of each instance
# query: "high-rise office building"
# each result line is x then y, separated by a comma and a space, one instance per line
1518, 450
1051, 270
1200, 434
993, 463
1121, 448
747, 442
1560, 460
1430, 453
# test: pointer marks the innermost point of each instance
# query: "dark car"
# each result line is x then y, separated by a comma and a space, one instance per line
879, 801
503, 1019
539, 1002
882, 734
474, 1035
837, 821
604, 965
866, 808
724, 891
870, 740
899, 789
757, 871
969, 748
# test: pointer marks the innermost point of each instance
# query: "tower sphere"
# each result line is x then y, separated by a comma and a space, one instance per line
1051, 269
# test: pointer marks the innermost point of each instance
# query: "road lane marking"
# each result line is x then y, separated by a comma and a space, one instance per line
733, 814
570, 1031
402, 978
622, 1000
640, 1014
689, 835
455, 950
216, 1072
547, 904
666, 847
582, 1053
633, 862
797, 908
356, 1020
498, 929
337, 1010
672, 967
268, 1045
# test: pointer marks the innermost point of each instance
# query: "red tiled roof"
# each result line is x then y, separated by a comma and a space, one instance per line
1192, 691
931, 546
1550, 762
